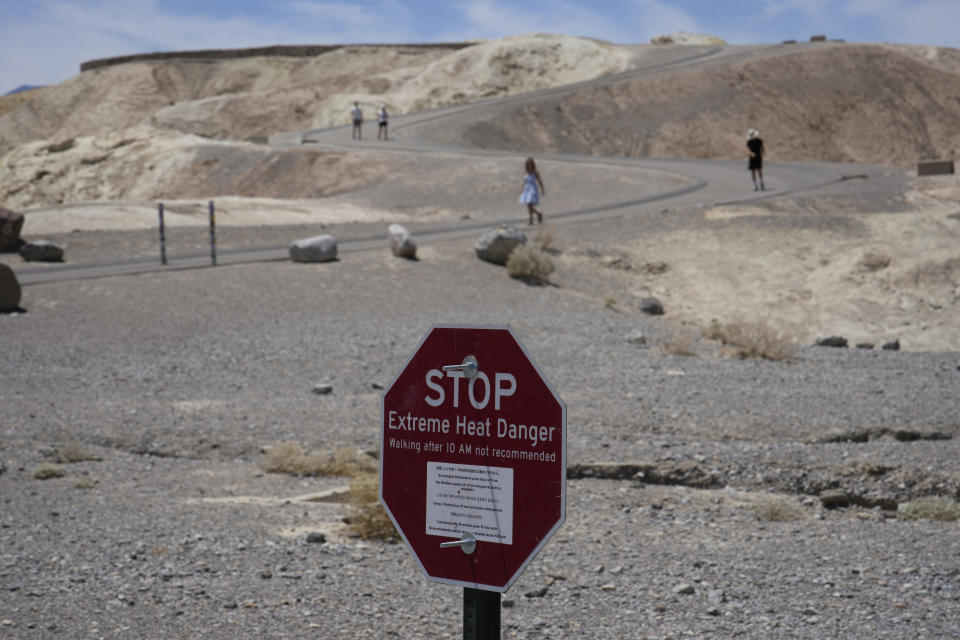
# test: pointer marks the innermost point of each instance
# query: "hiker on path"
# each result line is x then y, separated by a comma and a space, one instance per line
382, 122
755, 147
532, 188
357, 115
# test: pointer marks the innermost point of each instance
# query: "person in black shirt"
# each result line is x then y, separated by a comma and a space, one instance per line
755, 147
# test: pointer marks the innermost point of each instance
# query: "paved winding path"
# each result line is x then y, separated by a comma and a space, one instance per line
714, 181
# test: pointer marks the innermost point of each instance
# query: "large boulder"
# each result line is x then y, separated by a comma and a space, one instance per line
10, 225
496, 244
9, 289
41, 251
316, 249
401, 242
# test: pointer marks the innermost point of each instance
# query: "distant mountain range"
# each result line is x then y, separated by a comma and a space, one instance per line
21, 88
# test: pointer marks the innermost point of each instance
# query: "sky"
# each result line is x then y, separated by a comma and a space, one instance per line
44, 41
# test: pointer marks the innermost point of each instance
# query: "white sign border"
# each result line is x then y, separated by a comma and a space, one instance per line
563, 467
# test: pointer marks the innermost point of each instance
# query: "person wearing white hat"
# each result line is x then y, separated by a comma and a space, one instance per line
755, 165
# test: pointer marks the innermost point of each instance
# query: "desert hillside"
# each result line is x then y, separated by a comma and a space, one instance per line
257, 96
832, 103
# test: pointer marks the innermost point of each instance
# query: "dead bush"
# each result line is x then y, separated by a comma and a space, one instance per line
47, 470
931, 508
680, 342
778, 509
85, 482
75, 452
545, 238
754, 339
529, 264
368, 519
289, 457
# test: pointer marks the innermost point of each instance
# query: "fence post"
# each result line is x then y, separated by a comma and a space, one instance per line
163, 236
213, 237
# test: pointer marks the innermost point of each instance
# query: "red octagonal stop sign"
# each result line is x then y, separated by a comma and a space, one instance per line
476, 451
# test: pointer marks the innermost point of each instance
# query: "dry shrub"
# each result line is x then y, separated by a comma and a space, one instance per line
74, 452
609, 302
289, 457
931, 508
47, 470
368, 519
778, 509
545, 238
874, 261
529, 264
680, 342
754, 339
85, 482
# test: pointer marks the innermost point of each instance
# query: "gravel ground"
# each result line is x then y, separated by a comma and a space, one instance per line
694, 503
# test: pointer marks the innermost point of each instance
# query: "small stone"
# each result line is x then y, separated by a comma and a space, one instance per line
41, 251
684, 589
651, 306
656, 268
609, 587
537, 593
893, 345
507, 604
323, 389
832, 341
864, 345
716, 596
266, 575
713, 611
834, 498
638, 339
316, 537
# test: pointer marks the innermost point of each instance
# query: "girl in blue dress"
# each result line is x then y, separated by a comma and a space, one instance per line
532, 188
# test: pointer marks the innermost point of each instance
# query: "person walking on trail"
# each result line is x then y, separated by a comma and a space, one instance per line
755, 147
357, 115
382, 122
532, 188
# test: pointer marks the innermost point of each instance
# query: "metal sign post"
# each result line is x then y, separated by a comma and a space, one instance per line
481, 614
213, 237
163, 236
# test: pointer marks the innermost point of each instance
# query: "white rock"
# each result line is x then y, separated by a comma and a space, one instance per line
496, 244
316, 249
401, 242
